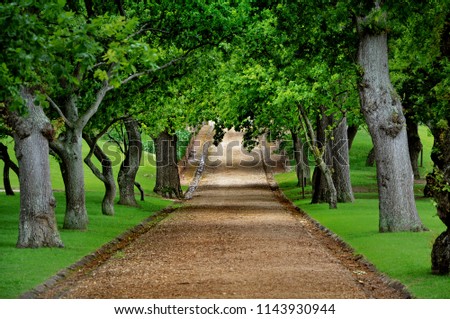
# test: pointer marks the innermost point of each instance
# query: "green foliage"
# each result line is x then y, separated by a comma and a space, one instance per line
183, 140
375, 22
422, 78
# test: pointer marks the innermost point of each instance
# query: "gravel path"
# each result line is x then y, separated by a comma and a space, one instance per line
236, 238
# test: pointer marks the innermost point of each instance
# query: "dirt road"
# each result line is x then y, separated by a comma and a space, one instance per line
233, 239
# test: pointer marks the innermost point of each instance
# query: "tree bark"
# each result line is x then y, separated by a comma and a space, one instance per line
8, 164
301, 160
383, 113
321, 191
414, 143
441, 193
68, 147
69, 151
341, 163
130, 165
318, 154
440, 156
37, 224
167, 176
337, 157
106, 175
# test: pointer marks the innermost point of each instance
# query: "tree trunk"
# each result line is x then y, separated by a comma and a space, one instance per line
414, 143
318, 154
383, 113
321, 191
69, 150
325, 171
441, 193
352, 130
68, 147
130, 165
37, 224
440, 254
141, 190
336, 157
301, 160
106, 175
167, 177
341, 163
440, 156
9, 164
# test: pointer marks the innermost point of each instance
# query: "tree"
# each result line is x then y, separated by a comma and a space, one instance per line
24, 45
318, 152
167, 178
106, 174
130, 165
422, 79
37, 227
383, 113
111, 71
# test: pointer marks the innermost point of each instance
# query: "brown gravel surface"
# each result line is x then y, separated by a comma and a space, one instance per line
237, 238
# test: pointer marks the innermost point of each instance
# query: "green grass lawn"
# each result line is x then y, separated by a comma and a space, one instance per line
402, 256
23, 269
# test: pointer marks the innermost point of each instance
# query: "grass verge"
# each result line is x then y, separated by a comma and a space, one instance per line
23, 269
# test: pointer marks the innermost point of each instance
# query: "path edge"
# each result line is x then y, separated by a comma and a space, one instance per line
396, 285
100, 255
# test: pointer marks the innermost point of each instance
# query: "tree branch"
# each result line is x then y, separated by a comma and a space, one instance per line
307, 126
116, 142
97, 65
61, 114
57, 147
136, 75
83, 120
100, 134
93, 145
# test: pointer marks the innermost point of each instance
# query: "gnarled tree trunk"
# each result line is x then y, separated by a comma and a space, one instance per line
68, 147
318, 154
9, 164
414, 143
106, 175
69, 150
167, 177
130, 165
320, 186
440, 155
336, 156
37, 225
384, 116
341, 163
440, 255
